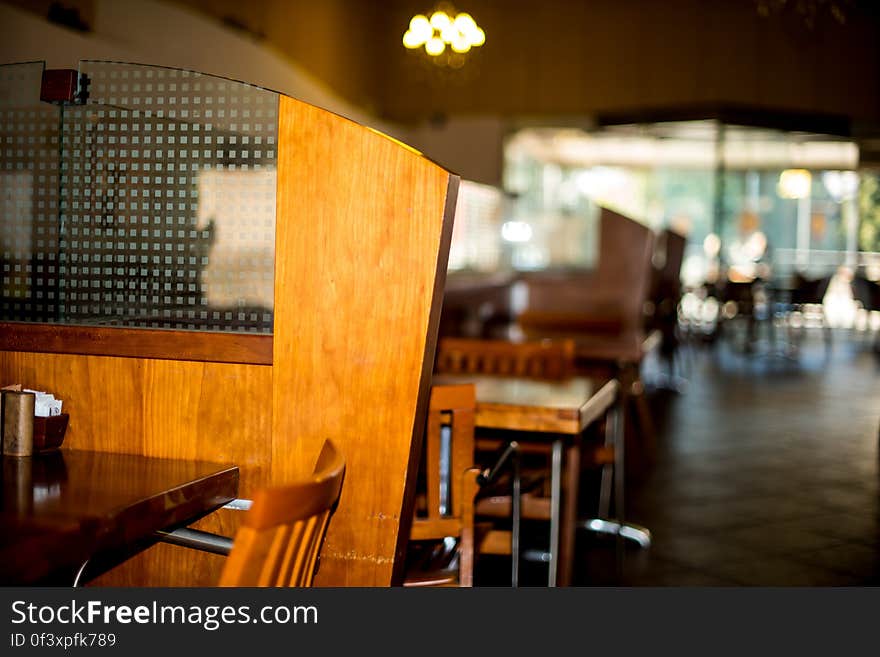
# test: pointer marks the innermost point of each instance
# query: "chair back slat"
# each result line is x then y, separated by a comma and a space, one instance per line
280, 538
544, 359
452, 409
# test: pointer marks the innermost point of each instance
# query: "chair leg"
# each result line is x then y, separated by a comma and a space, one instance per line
78, 578
603, 524
641, 436
516, 519
605, 489
571, 457
555, 497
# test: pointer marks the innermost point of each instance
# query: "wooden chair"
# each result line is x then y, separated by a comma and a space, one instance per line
279, 540
446, 511
545, 359
661, 309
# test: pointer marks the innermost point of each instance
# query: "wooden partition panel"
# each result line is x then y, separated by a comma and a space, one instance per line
612, 296
362, 236
165, 408
151, 359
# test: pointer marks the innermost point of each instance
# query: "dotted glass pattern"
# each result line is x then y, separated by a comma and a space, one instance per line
166, 213
29, 142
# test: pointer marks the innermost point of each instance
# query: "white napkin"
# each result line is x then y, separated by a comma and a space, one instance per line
45, 405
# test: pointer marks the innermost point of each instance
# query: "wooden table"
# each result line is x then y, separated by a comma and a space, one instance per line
63, 508
612, 353
560, 411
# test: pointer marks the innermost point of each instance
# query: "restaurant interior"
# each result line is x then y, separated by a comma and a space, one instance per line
462, 294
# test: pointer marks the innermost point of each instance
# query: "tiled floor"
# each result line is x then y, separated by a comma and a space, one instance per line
766, 473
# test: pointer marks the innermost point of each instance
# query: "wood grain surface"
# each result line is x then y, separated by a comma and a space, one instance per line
524, 404
138, 343
176, 409
362, 233
114, 500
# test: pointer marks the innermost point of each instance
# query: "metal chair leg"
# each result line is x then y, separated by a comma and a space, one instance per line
516, 519
603, 524
555, 497
79, 573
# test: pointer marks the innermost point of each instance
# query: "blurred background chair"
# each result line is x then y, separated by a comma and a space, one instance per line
544, 359
738, 302
441, 547
495, 511
867, 293
661, 309
280, 538
807, 292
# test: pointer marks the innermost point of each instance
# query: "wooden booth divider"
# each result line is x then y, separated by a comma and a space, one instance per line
362, 231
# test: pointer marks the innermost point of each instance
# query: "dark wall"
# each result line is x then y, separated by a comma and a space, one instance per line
334, 40
561, 56
569, 57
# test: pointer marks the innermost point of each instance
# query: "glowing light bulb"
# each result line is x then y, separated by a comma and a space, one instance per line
465, 24
440, 20
437, 30
460, 43
435, 46
412, 40
421, 28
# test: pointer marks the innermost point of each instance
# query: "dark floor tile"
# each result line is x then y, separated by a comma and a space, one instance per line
851, 526
702, 517
605, 564
781, 537
846, 498
766, 473
700, 551
679, 577
776, 571
855, 559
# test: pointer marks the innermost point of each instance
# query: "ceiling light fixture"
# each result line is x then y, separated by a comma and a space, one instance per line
445, 35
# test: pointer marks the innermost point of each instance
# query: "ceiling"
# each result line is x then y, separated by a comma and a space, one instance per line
561, 58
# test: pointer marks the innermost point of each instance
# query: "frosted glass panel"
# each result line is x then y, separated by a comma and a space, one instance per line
164, 214
29, 142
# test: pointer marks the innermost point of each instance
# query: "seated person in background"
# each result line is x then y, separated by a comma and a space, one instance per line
749, 258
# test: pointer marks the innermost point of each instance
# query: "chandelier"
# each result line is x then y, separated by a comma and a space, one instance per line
445, 35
